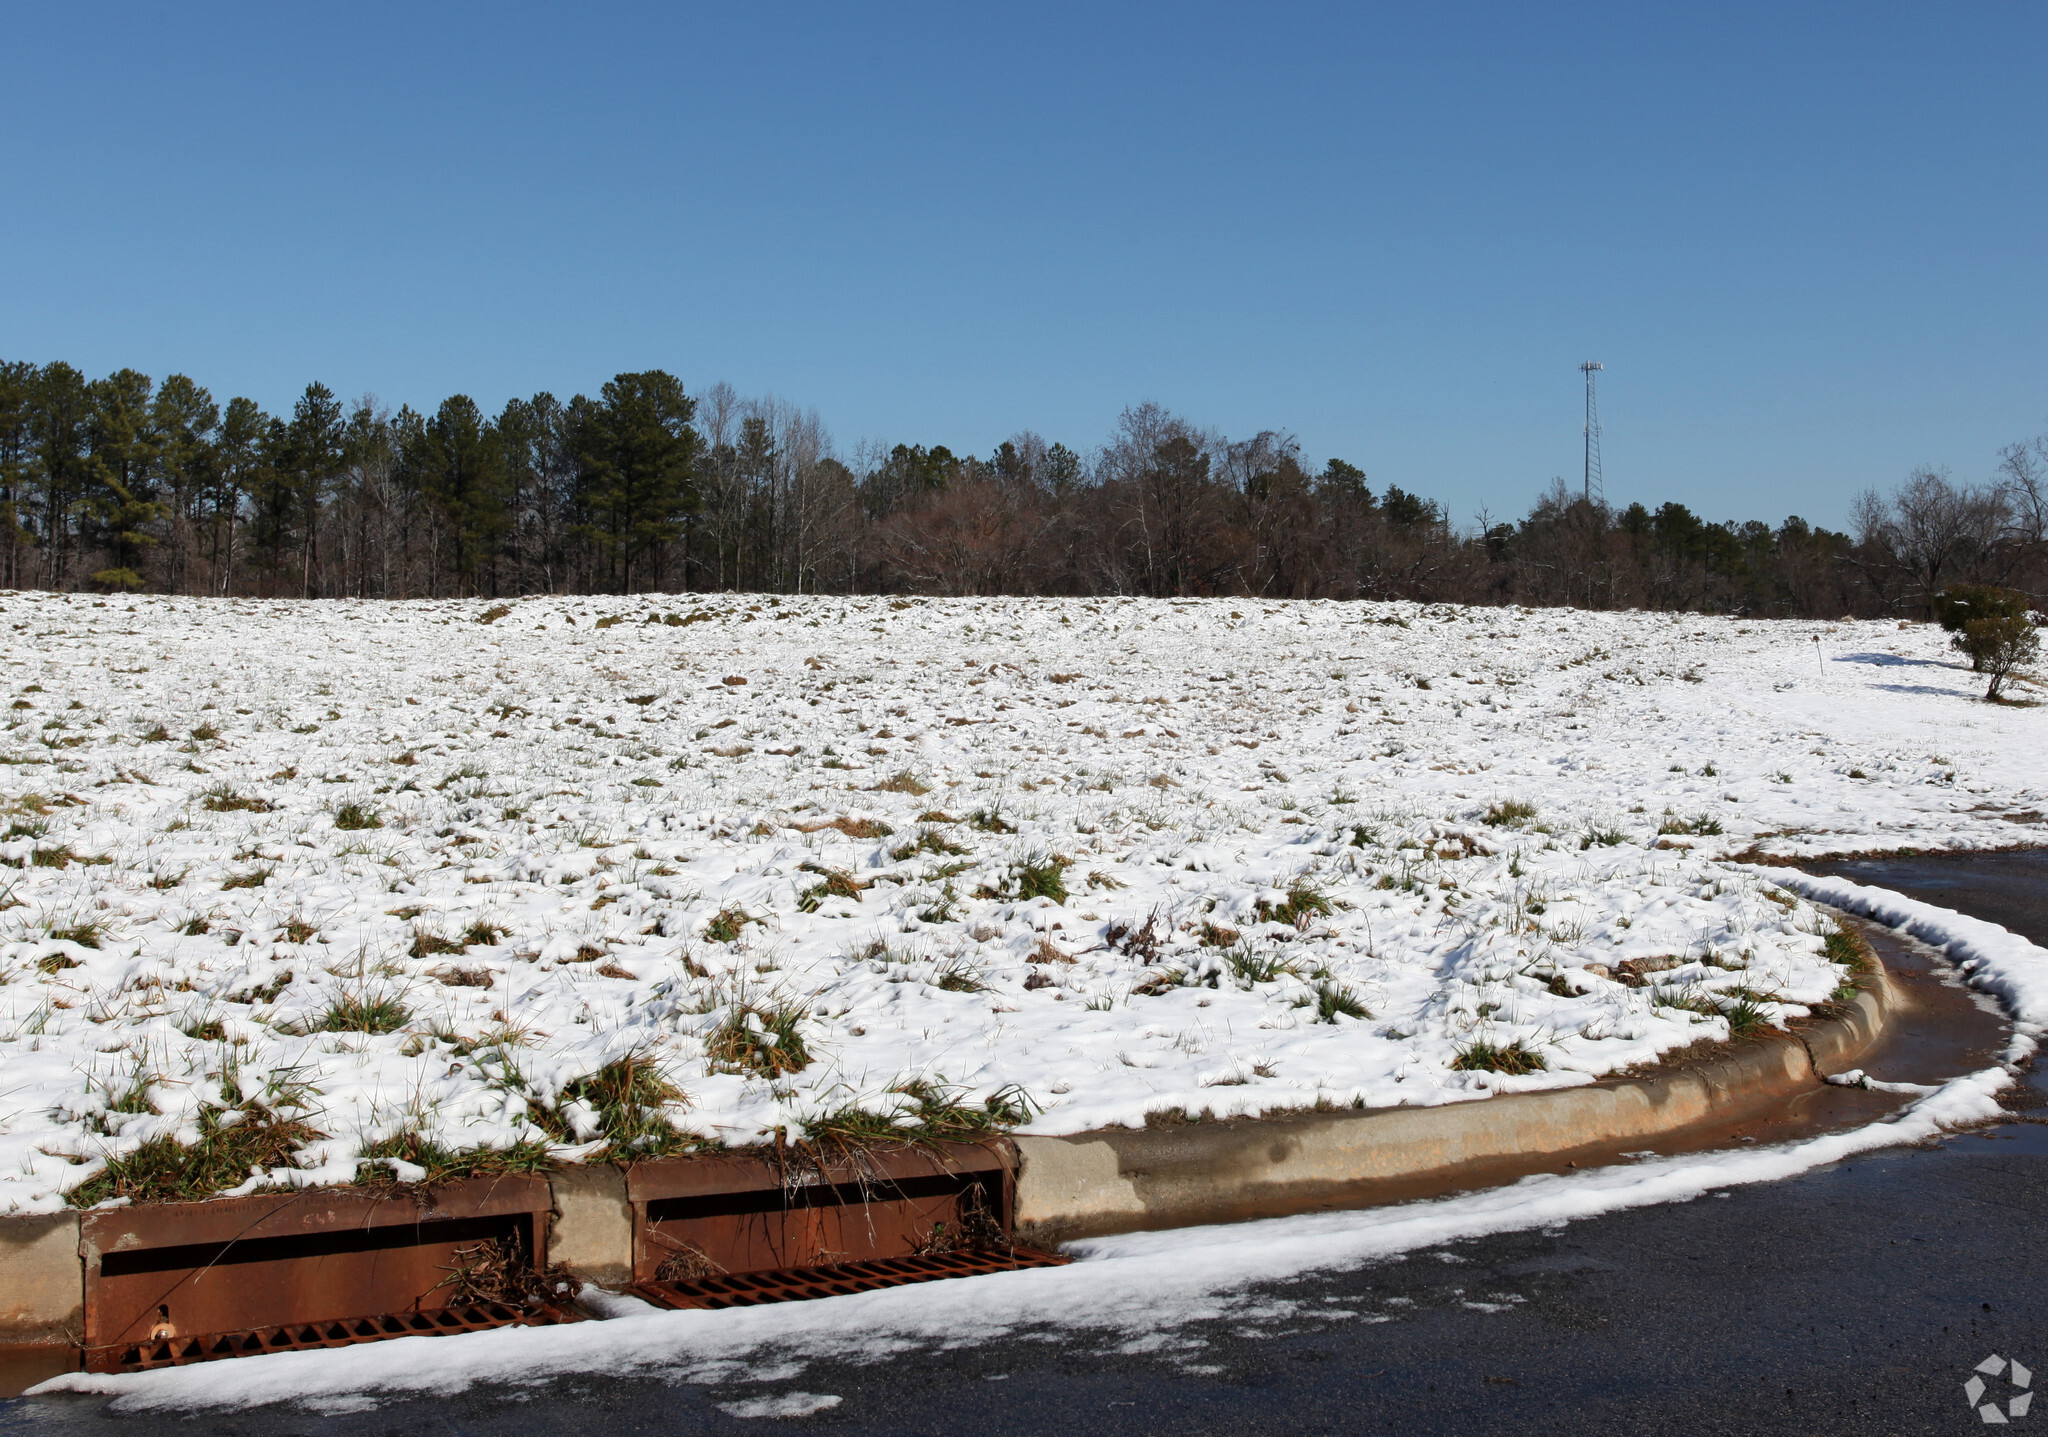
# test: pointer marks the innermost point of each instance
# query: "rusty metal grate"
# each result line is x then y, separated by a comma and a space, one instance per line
797, 1284
302, 1336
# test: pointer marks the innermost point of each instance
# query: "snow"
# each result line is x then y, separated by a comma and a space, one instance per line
782, 1404
1993, 959
588, 801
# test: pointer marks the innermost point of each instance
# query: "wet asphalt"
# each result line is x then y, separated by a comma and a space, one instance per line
1852, 1299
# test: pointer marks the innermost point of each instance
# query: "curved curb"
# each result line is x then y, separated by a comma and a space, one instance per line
1122, 1180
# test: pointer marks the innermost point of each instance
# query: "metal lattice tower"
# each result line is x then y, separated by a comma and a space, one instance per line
1596, 487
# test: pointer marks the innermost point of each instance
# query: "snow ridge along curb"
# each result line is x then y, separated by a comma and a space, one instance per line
1095, 1184
1993, 959
1123, 1180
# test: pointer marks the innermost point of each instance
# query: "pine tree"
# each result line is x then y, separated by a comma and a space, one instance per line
314, 452
58, 472
458, 465
637, 458
183, 419
236, 479
17, 418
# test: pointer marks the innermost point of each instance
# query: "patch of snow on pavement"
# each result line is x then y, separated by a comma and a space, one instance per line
785, 1404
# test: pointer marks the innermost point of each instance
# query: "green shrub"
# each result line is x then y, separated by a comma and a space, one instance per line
1957, 605
1997, 645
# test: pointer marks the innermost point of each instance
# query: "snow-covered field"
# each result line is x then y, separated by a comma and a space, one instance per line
784, 853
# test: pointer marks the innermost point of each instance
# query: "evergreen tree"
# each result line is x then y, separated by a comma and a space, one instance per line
60, 433
637, 456
274, 507
457, 463
17, 444
183, 420
313, 452
237, 478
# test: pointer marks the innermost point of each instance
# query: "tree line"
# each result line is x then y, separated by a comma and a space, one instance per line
126, 484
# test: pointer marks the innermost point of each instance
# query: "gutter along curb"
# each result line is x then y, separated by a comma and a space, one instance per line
1091, 1184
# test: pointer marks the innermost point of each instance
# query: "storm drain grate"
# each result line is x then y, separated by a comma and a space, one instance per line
796, 1284
303, 1336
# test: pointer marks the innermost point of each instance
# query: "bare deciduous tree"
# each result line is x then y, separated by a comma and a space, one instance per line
1927, 532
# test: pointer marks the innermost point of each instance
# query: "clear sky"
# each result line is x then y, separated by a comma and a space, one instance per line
1806, 240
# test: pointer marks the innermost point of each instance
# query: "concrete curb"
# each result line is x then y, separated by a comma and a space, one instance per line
1121, 1180
1089, 1184
42, 1279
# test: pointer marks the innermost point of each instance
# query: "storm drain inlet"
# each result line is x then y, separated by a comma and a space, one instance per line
303, 1337
798, 1284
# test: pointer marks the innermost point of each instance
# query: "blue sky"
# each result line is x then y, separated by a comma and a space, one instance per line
1805, 240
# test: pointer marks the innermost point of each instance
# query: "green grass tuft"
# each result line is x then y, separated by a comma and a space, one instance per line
1847, 949
484, 934
354, 816
363, 1013
761, 1037
1044, 879
222, 798
1302, 903
1334, 1000
990, 820
955, 974
1703, 825
164, 1170
1480, 1056
927, 840
726, 924
630, 1095
444, 1164
1250, 967
1508, 813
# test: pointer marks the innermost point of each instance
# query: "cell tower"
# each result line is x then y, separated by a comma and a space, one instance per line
1596, 488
